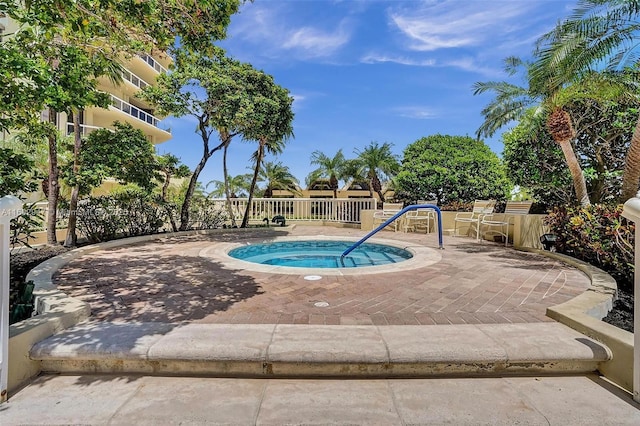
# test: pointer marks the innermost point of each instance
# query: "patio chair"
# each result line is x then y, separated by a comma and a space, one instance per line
388, 211
492, 225
473, 218
421, 218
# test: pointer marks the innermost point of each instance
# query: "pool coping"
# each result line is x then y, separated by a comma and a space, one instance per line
422, 256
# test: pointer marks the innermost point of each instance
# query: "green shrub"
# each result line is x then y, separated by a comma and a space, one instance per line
24, 226
598, 235
125, 214
205, 215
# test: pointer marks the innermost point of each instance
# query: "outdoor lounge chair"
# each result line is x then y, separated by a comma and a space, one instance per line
473, 218
388, 211
416, 220
490, 224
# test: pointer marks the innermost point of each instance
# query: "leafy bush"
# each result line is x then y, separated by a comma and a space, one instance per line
598, 235
23, 226
205, 215
125, 214
133, 212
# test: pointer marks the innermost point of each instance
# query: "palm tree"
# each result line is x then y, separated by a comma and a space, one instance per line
238, 186
331, 168
378, 162
511, 103
598, 32
277, 176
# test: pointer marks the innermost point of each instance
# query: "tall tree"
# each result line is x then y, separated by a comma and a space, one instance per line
226, 97
598, 33
169, 167
512, 101
450, 169
238, 186
331, 168
57, 39
379, 162
277, 176
271, 124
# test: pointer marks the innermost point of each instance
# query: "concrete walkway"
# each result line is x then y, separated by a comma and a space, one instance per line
139, 400
492, 374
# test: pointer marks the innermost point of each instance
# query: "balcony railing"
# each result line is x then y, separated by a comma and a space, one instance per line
84, 129
135, 111
304, 209
134, 79
153, 63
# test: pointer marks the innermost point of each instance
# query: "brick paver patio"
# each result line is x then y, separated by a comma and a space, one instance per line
169, 281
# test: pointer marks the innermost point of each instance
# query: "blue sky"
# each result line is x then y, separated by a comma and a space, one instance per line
373, 70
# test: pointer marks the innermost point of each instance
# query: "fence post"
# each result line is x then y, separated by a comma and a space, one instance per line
10, 207
631, 211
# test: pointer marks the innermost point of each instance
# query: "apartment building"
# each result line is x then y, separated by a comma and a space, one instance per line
139, 71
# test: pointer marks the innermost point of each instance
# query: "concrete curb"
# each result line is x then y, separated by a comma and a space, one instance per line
585, 312
285, 350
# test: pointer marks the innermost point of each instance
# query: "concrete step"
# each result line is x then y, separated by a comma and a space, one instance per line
245, 350
143, 400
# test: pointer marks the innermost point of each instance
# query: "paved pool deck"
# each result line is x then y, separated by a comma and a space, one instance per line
181, 334
190, 279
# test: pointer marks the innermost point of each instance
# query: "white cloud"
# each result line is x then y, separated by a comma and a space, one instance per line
416, 112
464, 63
471, 65
402, 60
298, 100
437, 25
313, 42
272, 30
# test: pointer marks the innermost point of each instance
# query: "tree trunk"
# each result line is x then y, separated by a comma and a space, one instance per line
631, 174
163, 197
227, 192
245, 219
165, 186
561, 128
184, 211
54, 188
72, 238
579, 183
333, 182
376, 185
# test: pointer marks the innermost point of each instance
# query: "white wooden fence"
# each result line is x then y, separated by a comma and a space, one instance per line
345, 210
300, 209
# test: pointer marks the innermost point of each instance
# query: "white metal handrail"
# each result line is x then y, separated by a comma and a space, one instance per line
152, 63
134, 79
134, 111
84, 129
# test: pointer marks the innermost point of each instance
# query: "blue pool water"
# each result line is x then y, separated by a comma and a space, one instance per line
319, 254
